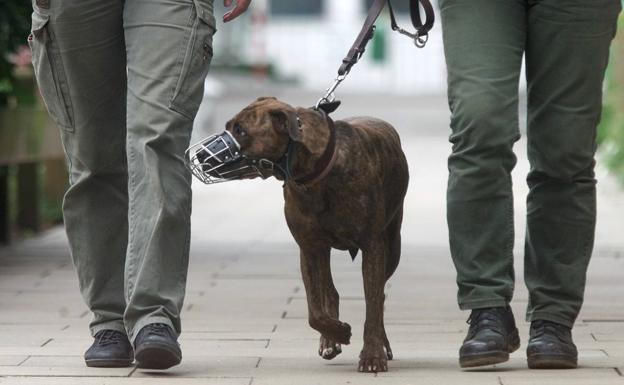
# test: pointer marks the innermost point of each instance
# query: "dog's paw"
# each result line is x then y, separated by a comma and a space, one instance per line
388, 349
341, 333
373, 360
333, 329
329, 349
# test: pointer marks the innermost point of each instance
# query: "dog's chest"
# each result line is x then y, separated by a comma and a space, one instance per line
339, 218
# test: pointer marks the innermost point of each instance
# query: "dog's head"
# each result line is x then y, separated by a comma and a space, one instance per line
264, 129
256, 141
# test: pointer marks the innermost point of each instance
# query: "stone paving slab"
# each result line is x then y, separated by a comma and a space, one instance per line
47, 380
58, 370
9, 360
561, 381
207, 366
245, 316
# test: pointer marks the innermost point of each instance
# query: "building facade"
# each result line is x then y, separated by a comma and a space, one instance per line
306, 40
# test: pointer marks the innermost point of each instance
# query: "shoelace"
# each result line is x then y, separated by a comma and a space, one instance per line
110, 337
159, 329
541, 327
484, 318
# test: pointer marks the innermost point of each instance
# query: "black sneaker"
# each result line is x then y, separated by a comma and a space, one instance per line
110, 349
156, 347
551, 347
491, 337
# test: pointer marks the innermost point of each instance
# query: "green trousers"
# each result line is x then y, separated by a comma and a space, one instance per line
565, 44
123, 80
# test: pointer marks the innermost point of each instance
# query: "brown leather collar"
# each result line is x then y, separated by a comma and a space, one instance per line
325, 163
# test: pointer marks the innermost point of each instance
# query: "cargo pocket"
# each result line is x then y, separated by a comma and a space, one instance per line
49, 72
194, 60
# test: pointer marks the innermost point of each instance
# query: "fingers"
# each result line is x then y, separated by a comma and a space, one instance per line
241, 6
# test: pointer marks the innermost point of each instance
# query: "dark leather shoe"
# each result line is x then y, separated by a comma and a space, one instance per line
110, 349
491, 337
156, 347
551, 346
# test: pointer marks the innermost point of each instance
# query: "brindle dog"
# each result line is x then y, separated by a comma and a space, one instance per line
358, 204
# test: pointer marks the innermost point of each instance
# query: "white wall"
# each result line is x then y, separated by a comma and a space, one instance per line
311, 49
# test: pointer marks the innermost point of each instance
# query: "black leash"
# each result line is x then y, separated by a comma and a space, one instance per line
422, 29
420, 37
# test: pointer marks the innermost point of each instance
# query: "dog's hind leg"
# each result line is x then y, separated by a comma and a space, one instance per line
373, 357
393, 239
314, 269
389, 353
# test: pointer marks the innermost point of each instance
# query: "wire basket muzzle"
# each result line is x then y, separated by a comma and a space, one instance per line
218, 159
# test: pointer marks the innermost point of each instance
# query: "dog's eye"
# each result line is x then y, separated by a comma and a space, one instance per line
238, 130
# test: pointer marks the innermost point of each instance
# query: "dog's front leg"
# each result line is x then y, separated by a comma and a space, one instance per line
329, 349
373, 357
315, 280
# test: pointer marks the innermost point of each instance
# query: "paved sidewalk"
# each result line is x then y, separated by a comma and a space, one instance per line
245, 314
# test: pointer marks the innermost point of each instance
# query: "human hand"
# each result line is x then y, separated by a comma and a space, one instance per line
241, 6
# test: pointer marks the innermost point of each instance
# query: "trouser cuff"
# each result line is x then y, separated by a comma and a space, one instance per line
482, 303
110, 325
549, 317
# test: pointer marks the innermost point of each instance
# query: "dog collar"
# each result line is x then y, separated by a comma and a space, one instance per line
322, 166
325, 163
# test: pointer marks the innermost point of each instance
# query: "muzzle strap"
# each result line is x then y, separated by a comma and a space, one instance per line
283, 164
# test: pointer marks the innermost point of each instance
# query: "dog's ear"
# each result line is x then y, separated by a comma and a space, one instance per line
286, 122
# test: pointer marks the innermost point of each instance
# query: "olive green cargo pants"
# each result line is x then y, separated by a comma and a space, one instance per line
123, 80
566, 45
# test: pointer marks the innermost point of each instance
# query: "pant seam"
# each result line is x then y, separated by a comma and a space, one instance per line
131, 219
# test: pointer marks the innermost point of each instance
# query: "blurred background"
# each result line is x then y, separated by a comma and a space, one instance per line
245, 308
287, 48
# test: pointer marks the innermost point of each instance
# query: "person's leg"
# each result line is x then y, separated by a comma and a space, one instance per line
567, 49
483, 44
79, 59
80, 63
567, 52
169, 47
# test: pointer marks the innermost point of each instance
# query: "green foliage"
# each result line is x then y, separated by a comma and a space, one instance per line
14, 30
611, 129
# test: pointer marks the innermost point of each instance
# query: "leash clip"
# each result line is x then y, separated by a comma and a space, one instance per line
419, 40
329, 96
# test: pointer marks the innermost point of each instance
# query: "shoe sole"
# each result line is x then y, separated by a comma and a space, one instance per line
483, 359
157, 356
109, 363
551, 361
491, 357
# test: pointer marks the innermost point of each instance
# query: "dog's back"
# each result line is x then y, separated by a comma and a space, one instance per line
379, 146
377, 137
389, 166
